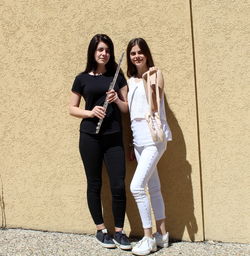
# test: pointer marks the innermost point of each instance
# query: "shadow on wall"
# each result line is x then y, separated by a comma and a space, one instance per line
175, 175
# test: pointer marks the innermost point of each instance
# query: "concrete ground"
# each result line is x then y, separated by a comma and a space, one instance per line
18, 242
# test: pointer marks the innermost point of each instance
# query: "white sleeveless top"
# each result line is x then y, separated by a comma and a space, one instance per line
138, 108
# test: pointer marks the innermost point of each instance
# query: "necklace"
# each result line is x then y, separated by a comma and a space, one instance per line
95, 74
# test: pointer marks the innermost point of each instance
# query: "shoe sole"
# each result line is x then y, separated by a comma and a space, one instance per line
144, 253
108, 246
163, 245
123, 247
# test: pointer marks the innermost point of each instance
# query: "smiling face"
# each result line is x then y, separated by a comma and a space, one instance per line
138, 58
102, 54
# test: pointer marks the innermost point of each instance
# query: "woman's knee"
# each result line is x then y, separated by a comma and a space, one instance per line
118, 189
94, 186
154, 189
136, 190
155, 192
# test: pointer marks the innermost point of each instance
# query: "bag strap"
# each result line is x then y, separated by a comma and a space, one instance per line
149, 92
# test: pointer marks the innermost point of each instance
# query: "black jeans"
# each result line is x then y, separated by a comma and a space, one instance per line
94, 149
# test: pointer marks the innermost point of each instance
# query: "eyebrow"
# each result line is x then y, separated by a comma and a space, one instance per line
140, 51
101, 47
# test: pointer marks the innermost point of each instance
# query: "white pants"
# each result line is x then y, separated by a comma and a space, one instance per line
146, 175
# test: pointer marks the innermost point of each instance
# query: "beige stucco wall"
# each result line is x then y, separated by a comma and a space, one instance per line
222, 37
43, 46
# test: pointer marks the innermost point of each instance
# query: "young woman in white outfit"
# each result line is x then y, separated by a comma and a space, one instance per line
147, 151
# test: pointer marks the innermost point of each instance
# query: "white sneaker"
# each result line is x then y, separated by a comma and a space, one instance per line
145, 246
162, 240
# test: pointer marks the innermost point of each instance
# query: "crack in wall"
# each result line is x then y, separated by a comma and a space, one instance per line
197, 115
2, 205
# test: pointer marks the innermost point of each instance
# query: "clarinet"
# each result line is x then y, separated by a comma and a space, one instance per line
111, 86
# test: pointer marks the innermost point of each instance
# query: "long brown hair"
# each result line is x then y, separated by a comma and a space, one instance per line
131, 70
91, 62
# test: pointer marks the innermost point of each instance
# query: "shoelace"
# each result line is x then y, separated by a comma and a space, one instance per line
122, 236
141, 241
125, 238
106, 236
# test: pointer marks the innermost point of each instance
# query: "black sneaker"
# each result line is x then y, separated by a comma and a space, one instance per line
121, 240
104, 239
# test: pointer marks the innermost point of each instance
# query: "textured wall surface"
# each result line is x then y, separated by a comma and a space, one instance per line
43, 46
222, 37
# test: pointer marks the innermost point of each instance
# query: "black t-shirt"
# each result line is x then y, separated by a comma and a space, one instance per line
93, 89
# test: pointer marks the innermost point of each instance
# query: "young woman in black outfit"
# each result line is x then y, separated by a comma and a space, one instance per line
92, 84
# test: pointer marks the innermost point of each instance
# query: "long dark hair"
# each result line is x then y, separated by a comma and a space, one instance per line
132, 71
91, 62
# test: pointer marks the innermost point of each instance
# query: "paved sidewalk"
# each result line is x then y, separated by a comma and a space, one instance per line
18, 242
